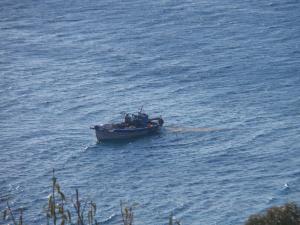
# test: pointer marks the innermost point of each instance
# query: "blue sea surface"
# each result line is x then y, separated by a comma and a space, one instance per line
224, 75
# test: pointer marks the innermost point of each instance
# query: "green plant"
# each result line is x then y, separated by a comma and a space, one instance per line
288, 214
58, 211
55, 210
8, 214
73, 211
172, 221
127, 214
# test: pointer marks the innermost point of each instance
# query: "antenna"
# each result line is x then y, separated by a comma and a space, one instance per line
141, 109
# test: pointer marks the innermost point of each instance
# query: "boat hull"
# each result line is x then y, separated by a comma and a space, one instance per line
123, 134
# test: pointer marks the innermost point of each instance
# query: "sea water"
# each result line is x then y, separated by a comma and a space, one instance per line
224, 75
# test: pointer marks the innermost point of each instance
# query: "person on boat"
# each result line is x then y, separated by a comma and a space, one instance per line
127, 119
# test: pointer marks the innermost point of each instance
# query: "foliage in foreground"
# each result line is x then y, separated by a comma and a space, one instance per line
74, 211
288, 214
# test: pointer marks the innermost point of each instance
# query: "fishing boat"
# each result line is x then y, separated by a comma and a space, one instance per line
133, 126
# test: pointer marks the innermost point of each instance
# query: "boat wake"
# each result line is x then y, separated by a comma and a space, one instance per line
192, 129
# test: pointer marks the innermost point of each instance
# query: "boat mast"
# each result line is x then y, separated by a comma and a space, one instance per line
141, 109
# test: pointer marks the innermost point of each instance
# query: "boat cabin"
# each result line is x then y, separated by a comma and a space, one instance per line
140, 120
